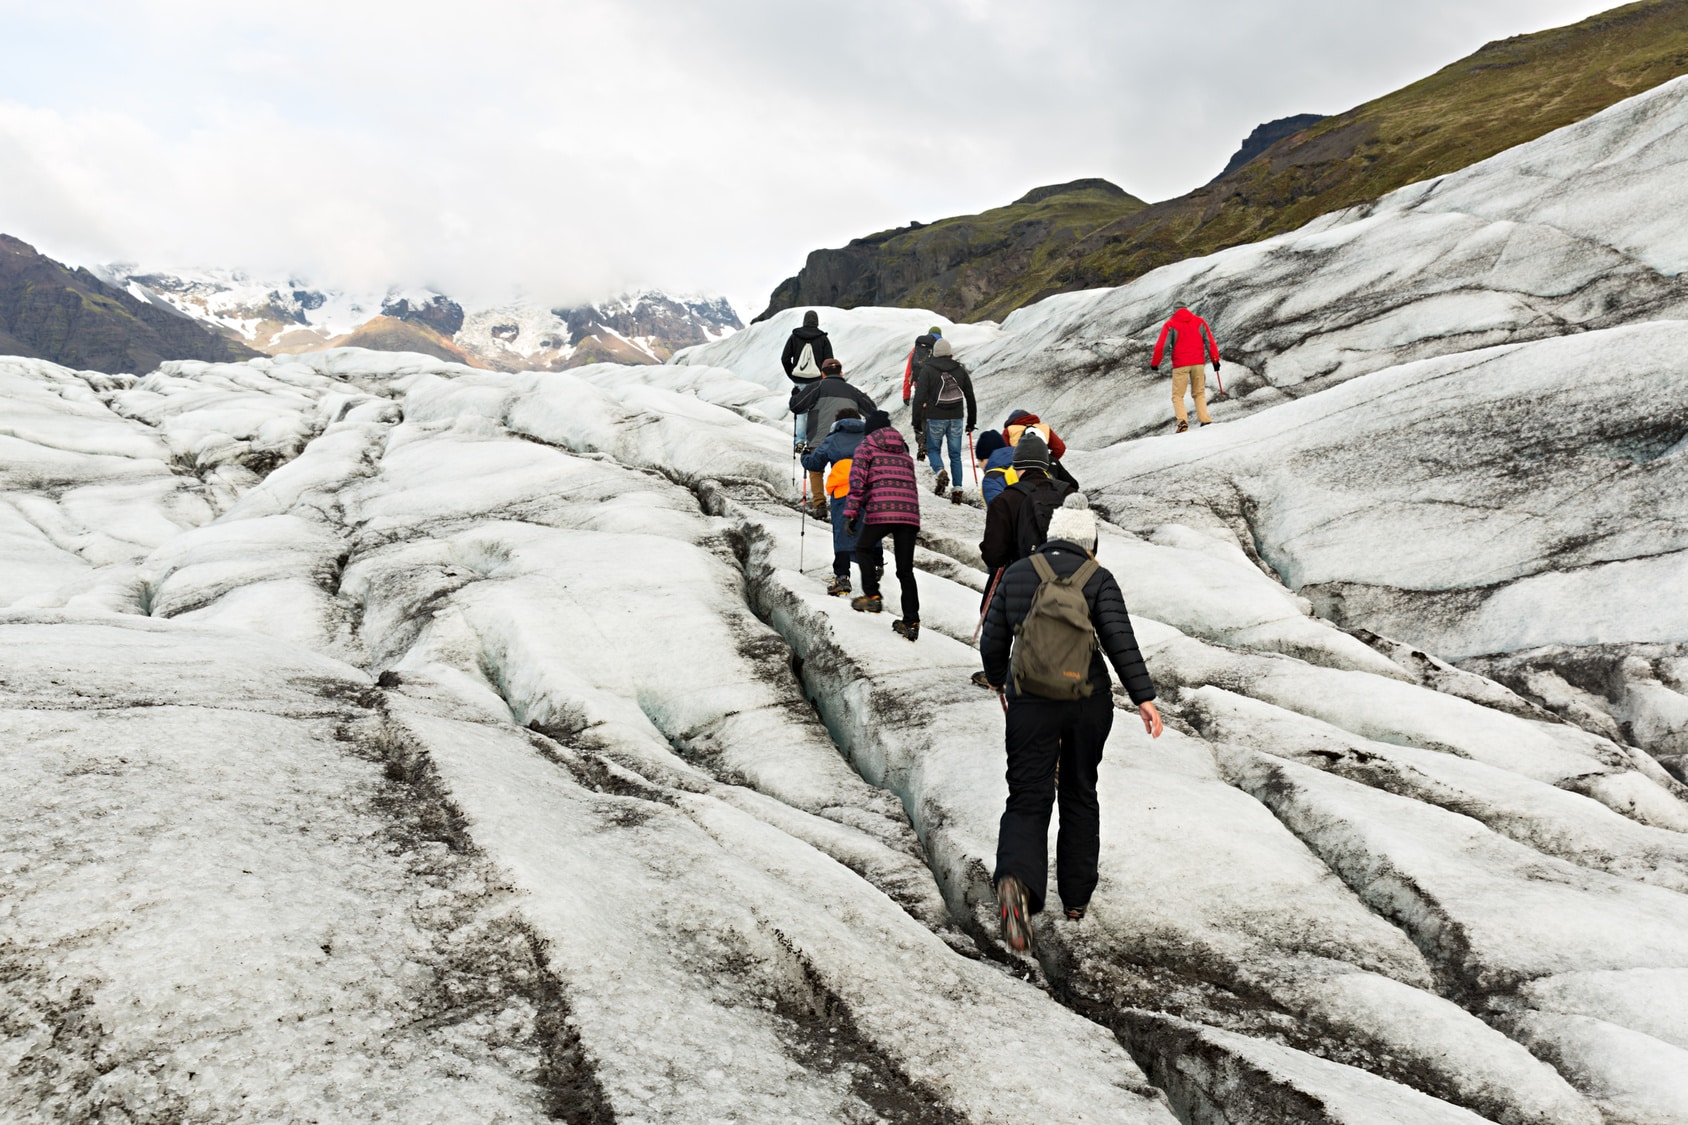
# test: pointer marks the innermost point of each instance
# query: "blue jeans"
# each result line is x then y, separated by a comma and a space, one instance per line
936, 430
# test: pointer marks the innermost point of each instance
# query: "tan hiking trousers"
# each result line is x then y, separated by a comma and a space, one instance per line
1194, 380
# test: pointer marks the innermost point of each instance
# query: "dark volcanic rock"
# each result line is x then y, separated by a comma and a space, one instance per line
441, 313
71, 317
1267, 135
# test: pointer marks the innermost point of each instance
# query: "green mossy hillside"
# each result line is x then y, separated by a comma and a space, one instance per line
1509, 92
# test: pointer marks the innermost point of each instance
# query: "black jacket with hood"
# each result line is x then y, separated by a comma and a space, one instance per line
809, 333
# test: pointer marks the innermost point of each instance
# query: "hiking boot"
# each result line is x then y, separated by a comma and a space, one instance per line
820, 511
839, 586
943, 482
955, 497
1183, 426
1016, 914
1076, 913
868, 603
982, 680
909, 629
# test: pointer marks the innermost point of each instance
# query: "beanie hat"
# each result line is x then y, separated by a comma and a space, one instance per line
989, 442
1025, 416
1031, 452
811, 319
877, 420
942, 347
936, 330
1074, 522
831, 367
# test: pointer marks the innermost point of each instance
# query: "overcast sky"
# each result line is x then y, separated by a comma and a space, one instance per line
573, 148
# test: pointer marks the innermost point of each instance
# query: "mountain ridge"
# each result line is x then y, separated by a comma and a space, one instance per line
290, 316
1506, 93
72, 317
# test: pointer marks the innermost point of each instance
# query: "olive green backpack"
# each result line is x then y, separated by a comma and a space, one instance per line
1053, 646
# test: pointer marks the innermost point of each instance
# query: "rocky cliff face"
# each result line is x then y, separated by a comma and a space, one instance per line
1267, 135
435, 310
49, 311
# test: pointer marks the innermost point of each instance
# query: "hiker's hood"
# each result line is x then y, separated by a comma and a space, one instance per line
805, 332
1184, 318
849, 426
1022, 418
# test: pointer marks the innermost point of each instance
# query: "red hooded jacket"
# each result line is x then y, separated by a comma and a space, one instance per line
1191, 337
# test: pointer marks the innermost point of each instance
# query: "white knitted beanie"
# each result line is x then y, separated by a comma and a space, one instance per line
1074, 522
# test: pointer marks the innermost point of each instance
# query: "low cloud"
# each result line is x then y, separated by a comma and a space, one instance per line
569, 150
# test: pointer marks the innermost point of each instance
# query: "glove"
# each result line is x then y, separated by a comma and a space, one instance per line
852, 527
808, 449
1216, 367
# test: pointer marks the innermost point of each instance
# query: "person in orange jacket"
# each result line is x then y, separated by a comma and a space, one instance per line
1192, 341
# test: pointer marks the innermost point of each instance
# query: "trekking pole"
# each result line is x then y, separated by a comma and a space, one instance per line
802, 522
984, 609
1221, 379
794, 465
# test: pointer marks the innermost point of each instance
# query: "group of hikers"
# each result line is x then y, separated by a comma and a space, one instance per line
1051, 619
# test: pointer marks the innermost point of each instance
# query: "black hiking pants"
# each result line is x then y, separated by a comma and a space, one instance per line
1041, 733
868, 555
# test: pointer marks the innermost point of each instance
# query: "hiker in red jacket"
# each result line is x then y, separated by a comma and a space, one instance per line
884, 502
1192, 341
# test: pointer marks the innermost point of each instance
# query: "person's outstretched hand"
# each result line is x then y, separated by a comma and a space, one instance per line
1151, 719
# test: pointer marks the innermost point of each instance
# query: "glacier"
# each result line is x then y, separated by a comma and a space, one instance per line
390, 740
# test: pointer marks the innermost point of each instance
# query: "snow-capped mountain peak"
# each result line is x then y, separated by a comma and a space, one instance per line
290, 316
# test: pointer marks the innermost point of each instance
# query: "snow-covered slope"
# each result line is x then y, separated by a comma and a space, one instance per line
545, 639
387, 739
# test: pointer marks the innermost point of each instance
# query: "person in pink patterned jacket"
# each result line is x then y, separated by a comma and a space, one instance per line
884, 502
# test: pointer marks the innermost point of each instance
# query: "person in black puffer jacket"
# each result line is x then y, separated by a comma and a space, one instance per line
1044, 735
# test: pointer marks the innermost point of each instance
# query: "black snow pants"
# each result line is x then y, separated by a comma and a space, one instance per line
1042, 732
902, 538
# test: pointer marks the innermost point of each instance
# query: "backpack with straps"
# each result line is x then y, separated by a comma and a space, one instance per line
806, 367
1054, 645
1043, 496
949, 390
